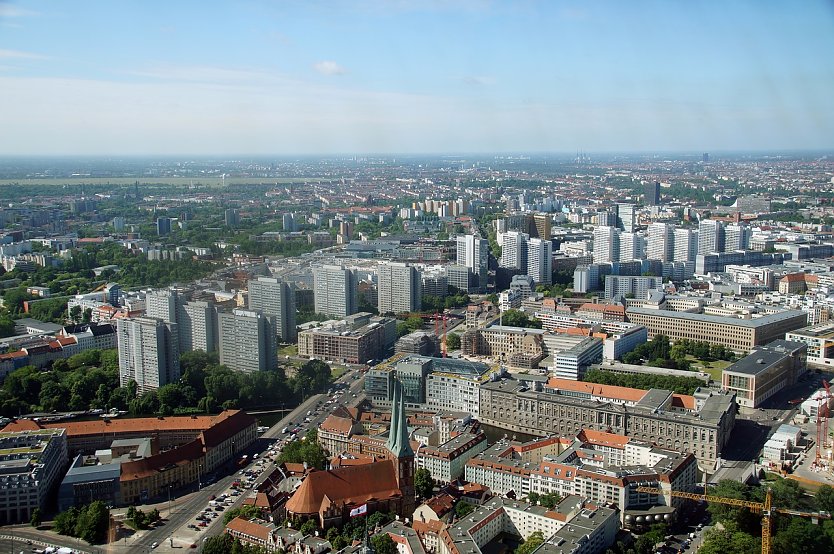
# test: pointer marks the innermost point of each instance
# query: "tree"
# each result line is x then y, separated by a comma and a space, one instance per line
463, 508
423, 482
66, 521
218, 544
309, 527
549, 500
384, 544
532, 543
533, 498
453, 341
246, 512
35, 520
824, 498
93, 523
75, 313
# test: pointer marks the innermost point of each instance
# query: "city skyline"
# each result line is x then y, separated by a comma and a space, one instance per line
414, 77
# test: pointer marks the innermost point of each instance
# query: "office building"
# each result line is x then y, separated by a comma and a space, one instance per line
248, 340
541, 227
685, 245
606, 244
514, 250
334, 289
765, 371
288, 222
739, 335
699, 424
33, 463
819, 340
473, 253
651, 193
148, 352
355, 339
460, 277
275, 298
163, 226
660, 242
540, 261
710, 237
399, 288
434, 281
231, 217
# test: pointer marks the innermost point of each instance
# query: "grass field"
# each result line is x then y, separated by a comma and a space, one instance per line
174, 181
713, 368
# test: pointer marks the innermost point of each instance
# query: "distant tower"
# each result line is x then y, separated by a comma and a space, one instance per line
400, 448
705, 157
651, 191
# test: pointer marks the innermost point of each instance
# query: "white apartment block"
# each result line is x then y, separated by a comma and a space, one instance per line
540, 261
247, 340
334, 290
446, 462
399, 288
606, 244
148, 352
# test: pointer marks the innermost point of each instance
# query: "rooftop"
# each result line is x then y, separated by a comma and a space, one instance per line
754, 323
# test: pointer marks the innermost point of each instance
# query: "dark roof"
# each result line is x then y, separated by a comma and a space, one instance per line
227, 424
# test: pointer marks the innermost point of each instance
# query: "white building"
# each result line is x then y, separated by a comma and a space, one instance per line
540, 261
33, 464
275, 298
606, 244
473, 253
399, 288
334, 289
514, 250
248, 340
686, 245
446, 462
148, 352
660, 242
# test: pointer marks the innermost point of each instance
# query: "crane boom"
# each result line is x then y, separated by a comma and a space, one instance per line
766, 508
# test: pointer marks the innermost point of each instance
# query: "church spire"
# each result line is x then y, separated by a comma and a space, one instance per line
398, 443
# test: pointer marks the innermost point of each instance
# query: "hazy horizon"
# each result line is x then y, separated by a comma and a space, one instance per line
414, 78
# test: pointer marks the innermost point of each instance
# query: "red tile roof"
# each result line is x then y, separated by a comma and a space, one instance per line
353, 485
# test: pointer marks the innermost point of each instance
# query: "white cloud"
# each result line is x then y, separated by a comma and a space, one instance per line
328, 67
7, 10
20, 55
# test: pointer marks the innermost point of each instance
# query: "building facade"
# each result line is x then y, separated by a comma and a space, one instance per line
248, 340
148, 352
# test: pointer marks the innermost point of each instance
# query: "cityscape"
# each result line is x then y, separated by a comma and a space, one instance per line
371, 277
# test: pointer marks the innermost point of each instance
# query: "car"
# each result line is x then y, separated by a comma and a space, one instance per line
212, 497
203, 524
154, 545
193, 545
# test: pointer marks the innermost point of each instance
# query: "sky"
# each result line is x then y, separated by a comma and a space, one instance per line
414, 76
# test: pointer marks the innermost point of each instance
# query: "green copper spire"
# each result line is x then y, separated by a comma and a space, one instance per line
398, 443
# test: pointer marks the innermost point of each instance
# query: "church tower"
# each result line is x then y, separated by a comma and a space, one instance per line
401, 452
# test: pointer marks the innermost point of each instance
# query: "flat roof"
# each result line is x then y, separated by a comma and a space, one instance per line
724, 320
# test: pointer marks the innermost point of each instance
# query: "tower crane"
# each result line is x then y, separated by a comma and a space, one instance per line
440, 320
765, 508
823, 412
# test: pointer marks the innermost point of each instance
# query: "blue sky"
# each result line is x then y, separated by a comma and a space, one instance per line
422, 76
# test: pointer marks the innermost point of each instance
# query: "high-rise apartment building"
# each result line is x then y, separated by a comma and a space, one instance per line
196, 321
737, 237
540, 261
248, 340
660, 242
514, 250
148, 352
710, 236
626, 217
686, 245
275, 297
334, 290
631, 247
473, 252
606, 244
399, 288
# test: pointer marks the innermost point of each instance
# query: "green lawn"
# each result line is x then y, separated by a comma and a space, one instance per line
336, 372
713, 368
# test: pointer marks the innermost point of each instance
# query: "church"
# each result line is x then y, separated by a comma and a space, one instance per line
384, 485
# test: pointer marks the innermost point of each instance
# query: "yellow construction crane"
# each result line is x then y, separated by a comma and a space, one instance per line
765, 508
